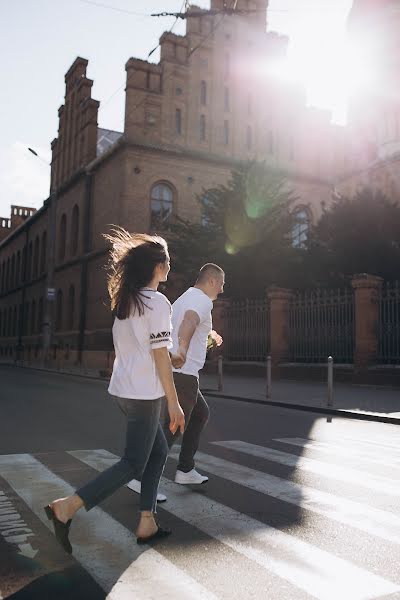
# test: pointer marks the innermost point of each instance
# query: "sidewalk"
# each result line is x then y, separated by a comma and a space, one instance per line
370, 403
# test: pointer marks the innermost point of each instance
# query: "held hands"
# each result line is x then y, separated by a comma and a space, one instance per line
214, 340
176, 418
178, 359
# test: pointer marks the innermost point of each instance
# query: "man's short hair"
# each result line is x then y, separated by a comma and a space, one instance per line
208, 271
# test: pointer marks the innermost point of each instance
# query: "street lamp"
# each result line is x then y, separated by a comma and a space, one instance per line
49, 297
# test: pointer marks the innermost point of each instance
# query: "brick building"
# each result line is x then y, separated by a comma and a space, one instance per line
207, 105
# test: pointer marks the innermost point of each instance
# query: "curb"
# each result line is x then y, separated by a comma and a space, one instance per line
344, 414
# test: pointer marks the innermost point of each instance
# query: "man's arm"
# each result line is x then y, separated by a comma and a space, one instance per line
186, 330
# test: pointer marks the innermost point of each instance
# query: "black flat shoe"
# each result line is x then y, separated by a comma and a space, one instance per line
159, 534
61, 529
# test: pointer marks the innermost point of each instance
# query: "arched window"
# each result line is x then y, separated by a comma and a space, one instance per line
203, 93
33, 317
13, 271
18, 269
43, 253
23, 264
40, 316
62, 238
59, 310
36, 258
71, 308
15, 322
74, 230
9, 322
161, 204
1, 276
202, 128
206, 211
8, 275
301, 227
178, 121
29, 262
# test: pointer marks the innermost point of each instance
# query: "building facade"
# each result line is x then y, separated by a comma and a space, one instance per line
208, 104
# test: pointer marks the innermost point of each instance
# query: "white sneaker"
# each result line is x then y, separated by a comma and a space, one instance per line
136, 486
191, 477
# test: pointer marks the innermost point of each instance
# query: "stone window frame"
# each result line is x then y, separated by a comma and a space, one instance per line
163, 222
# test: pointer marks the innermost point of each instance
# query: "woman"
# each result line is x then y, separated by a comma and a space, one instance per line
141, 377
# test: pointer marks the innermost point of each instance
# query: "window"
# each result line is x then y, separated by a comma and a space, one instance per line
161, 204
203, 93
18, 269
202, 128
71, 308
227, 65
33, 317
62, 238
29, 259
226, 99
74, 230
10, 322
40, 316
15, 321
178, 121
226, 132
13, 271
59, 310
36, 258
43, 253
206, 211
301, 227
249, 137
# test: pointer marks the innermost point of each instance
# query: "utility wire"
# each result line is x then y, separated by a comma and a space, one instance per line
121, 10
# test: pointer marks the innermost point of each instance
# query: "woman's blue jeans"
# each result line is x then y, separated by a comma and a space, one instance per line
144, 458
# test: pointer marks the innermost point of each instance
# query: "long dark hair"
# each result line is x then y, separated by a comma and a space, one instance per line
133, 258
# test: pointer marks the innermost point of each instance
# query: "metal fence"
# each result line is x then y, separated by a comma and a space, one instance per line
389, 324
321, 324
246, 330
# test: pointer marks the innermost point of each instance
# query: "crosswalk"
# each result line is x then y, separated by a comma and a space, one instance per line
219, 550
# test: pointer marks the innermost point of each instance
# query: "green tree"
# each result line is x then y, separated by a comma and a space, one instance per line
245, 228
355, 235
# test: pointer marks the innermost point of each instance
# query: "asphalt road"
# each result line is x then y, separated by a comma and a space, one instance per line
295, 507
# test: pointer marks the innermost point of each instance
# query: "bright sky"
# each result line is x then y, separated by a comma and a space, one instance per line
39, 40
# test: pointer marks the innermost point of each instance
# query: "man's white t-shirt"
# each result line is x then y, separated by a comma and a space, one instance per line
134, 371
196, 300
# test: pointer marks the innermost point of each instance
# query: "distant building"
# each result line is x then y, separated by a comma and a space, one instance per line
207, 105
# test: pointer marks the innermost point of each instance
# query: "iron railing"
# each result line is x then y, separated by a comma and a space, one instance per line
246, 330
321, 324
389, 324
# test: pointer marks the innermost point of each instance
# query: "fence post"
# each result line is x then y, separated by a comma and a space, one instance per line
269, 388
279, 300
330, 382
220, 373
366, 307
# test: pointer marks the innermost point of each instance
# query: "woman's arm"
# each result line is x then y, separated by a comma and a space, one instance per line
164, 370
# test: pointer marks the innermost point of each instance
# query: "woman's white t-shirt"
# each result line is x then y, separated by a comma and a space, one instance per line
134, 371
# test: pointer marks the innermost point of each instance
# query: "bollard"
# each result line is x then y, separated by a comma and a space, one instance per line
330, 386
220, 373
269, 390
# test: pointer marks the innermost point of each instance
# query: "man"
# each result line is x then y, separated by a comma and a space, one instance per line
191, 326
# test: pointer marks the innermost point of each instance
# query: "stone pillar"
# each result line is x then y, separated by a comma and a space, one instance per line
279, 301
366, 307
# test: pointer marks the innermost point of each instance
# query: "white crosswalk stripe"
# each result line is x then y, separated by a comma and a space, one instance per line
337, 449
337, 472
368, 443
107, 549
373, 521
309, 568
104, 547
